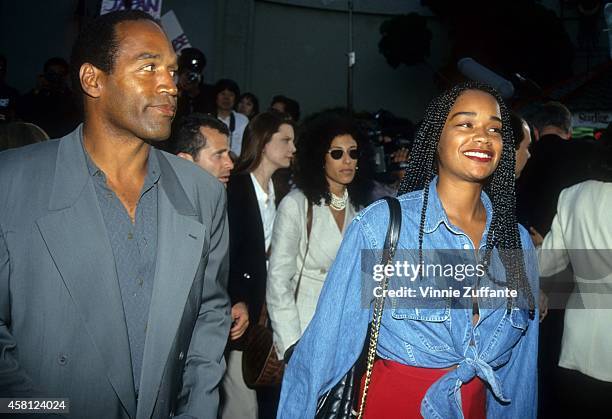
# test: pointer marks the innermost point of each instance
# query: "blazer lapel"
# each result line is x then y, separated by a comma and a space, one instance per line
181, 239
76, 237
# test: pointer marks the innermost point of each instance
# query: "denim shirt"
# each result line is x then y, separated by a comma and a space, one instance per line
501, 349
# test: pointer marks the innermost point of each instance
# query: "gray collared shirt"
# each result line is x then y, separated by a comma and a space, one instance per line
134, 247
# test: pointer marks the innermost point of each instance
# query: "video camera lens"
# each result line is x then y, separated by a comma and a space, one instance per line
192, 62
194, 77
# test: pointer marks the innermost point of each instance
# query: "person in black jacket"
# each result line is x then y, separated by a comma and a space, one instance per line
557, 162
268, 145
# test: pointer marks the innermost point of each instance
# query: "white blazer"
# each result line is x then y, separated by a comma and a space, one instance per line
290, 317
583, 222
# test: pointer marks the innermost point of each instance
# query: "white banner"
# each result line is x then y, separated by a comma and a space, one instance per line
174, 31
152, 7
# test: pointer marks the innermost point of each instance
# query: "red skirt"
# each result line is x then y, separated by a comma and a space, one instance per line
396, 392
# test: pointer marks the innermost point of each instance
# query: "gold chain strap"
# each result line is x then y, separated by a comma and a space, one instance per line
376, 319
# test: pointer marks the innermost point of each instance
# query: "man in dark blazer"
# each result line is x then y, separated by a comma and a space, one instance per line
113, 255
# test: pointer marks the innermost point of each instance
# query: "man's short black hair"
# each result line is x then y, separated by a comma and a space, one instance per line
189, 139
227, 84
292, 107
56, 61
552, 114
98, 44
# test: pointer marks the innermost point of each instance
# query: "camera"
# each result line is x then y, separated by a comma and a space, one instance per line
194, 77
192, 62
388, 134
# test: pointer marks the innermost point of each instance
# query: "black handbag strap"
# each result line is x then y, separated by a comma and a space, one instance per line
393, 232
308, 229
340, 403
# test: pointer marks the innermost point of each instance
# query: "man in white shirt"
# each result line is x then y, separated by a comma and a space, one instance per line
226, 95
581, 235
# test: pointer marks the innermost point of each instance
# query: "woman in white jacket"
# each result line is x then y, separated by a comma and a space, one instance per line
331, 188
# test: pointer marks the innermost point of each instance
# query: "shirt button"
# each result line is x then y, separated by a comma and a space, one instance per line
181, 356
466, 246
140, 281
109, 195
130, 236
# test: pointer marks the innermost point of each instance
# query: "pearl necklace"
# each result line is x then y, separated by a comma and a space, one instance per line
339, 203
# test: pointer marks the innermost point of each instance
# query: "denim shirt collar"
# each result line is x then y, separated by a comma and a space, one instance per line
436, 214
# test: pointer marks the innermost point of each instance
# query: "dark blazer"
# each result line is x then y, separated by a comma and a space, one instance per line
247, 278
62, 328
555, 164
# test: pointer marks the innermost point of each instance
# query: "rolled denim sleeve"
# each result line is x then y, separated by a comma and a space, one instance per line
334, 338
519, 376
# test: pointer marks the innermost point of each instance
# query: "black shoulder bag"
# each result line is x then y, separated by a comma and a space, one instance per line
339, 402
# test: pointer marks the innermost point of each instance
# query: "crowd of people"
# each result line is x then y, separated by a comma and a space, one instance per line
176, 224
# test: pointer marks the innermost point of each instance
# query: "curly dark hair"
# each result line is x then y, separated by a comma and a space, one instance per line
313, 141
503, 231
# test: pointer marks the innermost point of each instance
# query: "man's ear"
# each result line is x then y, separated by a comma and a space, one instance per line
185, 156
91, 79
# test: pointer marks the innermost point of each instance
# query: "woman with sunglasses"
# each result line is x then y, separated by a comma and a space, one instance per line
330, 187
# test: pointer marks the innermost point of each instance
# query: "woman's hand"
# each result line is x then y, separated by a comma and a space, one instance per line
536, 237
543, 303
240, 320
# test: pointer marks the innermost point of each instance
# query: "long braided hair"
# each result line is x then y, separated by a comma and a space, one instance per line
503, 231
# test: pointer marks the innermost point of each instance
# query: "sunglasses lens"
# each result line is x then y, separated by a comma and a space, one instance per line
354, 154
336, 154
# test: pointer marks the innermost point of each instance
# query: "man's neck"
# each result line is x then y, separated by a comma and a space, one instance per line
222, 113
120, 157
552, 130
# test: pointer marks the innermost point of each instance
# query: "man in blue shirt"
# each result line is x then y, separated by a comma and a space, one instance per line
113, 255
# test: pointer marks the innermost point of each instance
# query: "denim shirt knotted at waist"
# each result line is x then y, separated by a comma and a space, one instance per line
500, 349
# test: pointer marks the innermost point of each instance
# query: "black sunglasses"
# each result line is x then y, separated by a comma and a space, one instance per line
337, 153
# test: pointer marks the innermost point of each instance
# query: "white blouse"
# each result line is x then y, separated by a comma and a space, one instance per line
267, 208
290, 317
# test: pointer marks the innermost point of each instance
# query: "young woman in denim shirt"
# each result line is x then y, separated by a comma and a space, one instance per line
435, 360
